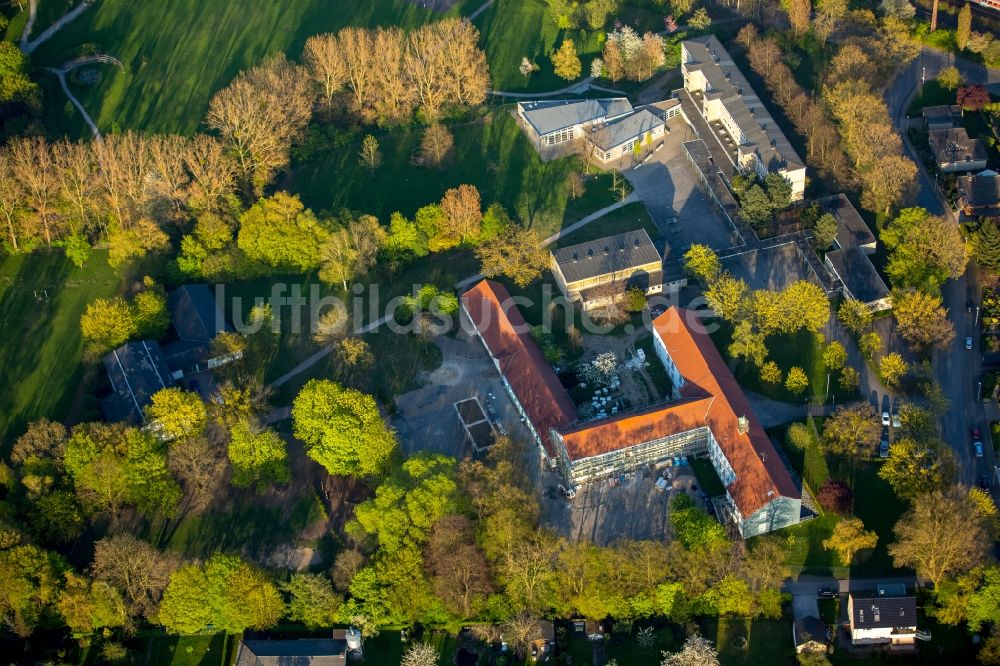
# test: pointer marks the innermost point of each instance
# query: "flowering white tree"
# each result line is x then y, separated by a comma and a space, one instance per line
628, 41
420, 654
697, 651
597, 68
527, 67
601, 371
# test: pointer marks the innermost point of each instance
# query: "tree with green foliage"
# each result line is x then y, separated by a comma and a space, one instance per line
850, 430
924, 250
566, 62
950, 78
748, 344
892, 368
370, 155
854, 315
694, 528
700, 20
834, 356
107, 323
223, 594
257, 455
702, 263
799, 435
32, 579
112, 465
983, 605
88, 606
149, 311
281, 233
727, 296
404, 241
755, 206
771, 373
779, 188
409, 502
177, 413
869, 343
939, 536
913, 469
15, 78
57, 517
312, 600
496, 220
964, 26
797, 381
849, 378
987, 246
635, 299
922, 320
824, 232
804, 304
849, 539
342, 429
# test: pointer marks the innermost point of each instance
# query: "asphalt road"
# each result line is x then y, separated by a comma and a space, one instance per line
956, 368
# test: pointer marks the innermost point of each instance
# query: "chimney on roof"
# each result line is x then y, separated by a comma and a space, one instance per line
574, 257
743, 425
590, 254
605, 249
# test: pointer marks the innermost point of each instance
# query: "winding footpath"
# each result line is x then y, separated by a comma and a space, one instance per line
27, 45
61, 72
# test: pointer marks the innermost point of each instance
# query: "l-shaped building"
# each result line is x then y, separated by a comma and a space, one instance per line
708, 413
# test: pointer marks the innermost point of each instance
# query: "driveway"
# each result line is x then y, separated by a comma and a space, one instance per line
668, 185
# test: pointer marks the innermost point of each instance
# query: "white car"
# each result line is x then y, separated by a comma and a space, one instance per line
896, 421
885, 418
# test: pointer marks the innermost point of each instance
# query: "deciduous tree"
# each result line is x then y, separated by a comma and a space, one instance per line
914, 469
748, 344
436, 145
850, 538
931, 540
850, 429
701, 262
566, 62
257, 455
922, 320
280, 232
326, 63
136, 568
727, 297
797, 380
516, 253
370, 155
834, 356
854, 315
463, 214
891, 369
799, 12
177, 413
312, 600
964, 26
342, 429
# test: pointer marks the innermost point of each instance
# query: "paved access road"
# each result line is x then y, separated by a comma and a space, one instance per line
956, 368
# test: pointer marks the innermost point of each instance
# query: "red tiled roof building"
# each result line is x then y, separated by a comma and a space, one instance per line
709, 413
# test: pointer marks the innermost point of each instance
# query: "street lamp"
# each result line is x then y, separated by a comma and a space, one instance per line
979, 390
977, 316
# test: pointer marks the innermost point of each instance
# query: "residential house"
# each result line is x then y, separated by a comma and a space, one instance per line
851, 228
979, 194
954, 151
859, 278
196, 319
619, 139
597, 272
882, 620
809, 635
550, 123
941, 117
136, 371
715, 89
707, 413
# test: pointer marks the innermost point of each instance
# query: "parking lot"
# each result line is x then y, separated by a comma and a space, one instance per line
668, 185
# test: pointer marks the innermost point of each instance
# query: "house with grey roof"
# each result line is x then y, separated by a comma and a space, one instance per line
955, 151
136, 371
883, 618
729, 109
553, 122
944, 116
196, 318
859, 278
294, 652
596, 272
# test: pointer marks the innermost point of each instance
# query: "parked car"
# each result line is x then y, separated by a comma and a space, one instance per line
968, 342
883, 445
826, 593
885, 418
979, 449
896, 421
976, 434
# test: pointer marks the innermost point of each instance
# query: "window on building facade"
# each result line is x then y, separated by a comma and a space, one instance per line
559, 137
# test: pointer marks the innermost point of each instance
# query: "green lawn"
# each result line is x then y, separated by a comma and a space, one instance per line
932, 94
810, 461
800, 349
707, 477
879, 508
492, 154
751, 642
177, 54
627, 218
40, 341
156, 649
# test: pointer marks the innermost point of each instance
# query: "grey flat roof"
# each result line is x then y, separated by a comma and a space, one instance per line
981, 189
955, 145
859, 276
611, 254
738, 96
942, 112
301, 652
851, 228
619, 131
547, 116
884, 612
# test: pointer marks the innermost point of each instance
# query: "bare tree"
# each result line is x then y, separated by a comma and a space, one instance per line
466, 74
200, 465
367, 238
459, 571
78, 184
259, 115
425, 67
463, 212
136, 568
212, 172
436, 145
169, 179
394, 103
123, 167
11, 200
326, 63
34, 166
357, 46
370, 156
